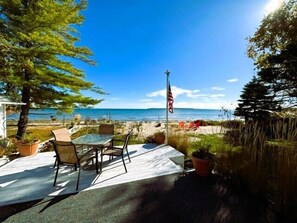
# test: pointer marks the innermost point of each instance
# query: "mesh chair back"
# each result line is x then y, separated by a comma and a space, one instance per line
106, 129
65, 151
127, 140
62, 135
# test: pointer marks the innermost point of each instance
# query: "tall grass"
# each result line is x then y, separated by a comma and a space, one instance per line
267, 169
180, 142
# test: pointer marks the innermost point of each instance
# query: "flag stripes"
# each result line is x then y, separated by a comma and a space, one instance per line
170, 99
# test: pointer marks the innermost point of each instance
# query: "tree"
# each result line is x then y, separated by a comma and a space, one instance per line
256, 101
276, 31
273, 48
281, 75
38, 41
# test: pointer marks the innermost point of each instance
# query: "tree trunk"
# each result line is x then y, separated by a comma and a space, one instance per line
23, 120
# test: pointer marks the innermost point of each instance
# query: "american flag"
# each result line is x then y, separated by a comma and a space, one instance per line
170, 100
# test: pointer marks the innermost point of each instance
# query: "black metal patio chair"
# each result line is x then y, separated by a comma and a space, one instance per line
66, 154
117, 151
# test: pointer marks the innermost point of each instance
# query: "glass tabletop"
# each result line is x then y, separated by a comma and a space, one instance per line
92, 139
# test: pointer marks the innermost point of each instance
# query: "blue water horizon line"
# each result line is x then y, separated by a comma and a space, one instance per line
125, 114
152, 108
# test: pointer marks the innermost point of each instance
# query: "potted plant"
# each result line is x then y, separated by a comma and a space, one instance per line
203, 160
159, 137
27, 145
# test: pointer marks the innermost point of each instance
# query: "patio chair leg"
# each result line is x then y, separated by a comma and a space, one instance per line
124, 163
78, 177
55, 163
128, 155
56, 175
101, 163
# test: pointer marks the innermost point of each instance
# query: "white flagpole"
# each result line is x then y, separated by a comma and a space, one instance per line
167, 72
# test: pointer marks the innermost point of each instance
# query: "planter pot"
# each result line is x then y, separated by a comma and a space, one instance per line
202, 167
159, 138
28, 149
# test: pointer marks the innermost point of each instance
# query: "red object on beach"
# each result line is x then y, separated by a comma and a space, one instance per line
181, 125
192, 125
195, 125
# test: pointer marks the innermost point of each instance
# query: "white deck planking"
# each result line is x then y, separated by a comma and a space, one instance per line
31, 178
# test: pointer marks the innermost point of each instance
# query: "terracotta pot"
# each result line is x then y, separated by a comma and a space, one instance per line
202, 167
28, 149
160, 138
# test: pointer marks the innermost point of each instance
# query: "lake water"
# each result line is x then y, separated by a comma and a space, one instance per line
126, 114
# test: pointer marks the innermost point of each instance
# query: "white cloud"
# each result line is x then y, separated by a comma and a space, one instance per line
157, 93
217, 95
176, 91
218, 88
204, 102
206, 105
232, 80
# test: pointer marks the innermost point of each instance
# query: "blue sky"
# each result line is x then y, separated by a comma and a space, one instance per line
203, 44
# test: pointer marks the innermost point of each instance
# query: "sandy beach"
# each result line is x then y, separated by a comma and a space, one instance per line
146, 129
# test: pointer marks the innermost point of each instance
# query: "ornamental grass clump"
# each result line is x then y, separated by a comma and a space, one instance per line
180, 142
27, 139
265, 162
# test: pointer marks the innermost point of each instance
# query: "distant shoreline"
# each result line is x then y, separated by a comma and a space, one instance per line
179, 114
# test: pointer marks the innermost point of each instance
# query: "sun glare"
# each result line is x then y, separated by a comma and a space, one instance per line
272, 6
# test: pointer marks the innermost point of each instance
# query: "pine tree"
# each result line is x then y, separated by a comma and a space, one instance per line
38, 41
256, 101
281, 75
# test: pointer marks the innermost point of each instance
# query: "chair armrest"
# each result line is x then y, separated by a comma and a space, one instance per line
89, 154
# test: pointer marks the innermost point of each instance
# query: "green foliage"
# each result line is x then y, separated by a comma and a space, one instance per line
202, 152
266, 168
215, 141
4, 143
180, 142
273, 48
256, 101
27, 139
280, 75
275, 32
7, 147
233, 124
37, 42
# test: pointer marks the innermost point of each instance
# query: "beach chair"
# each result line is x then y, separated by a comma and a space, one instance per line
191, 125
117, 151
197, 124
181, 125
67, 155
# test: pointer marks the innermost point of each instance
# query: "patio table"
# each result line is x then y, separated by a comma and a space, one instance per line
96, 141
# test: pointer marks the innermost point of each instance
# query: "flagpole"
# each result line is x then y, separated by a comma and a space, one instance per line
167, 72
